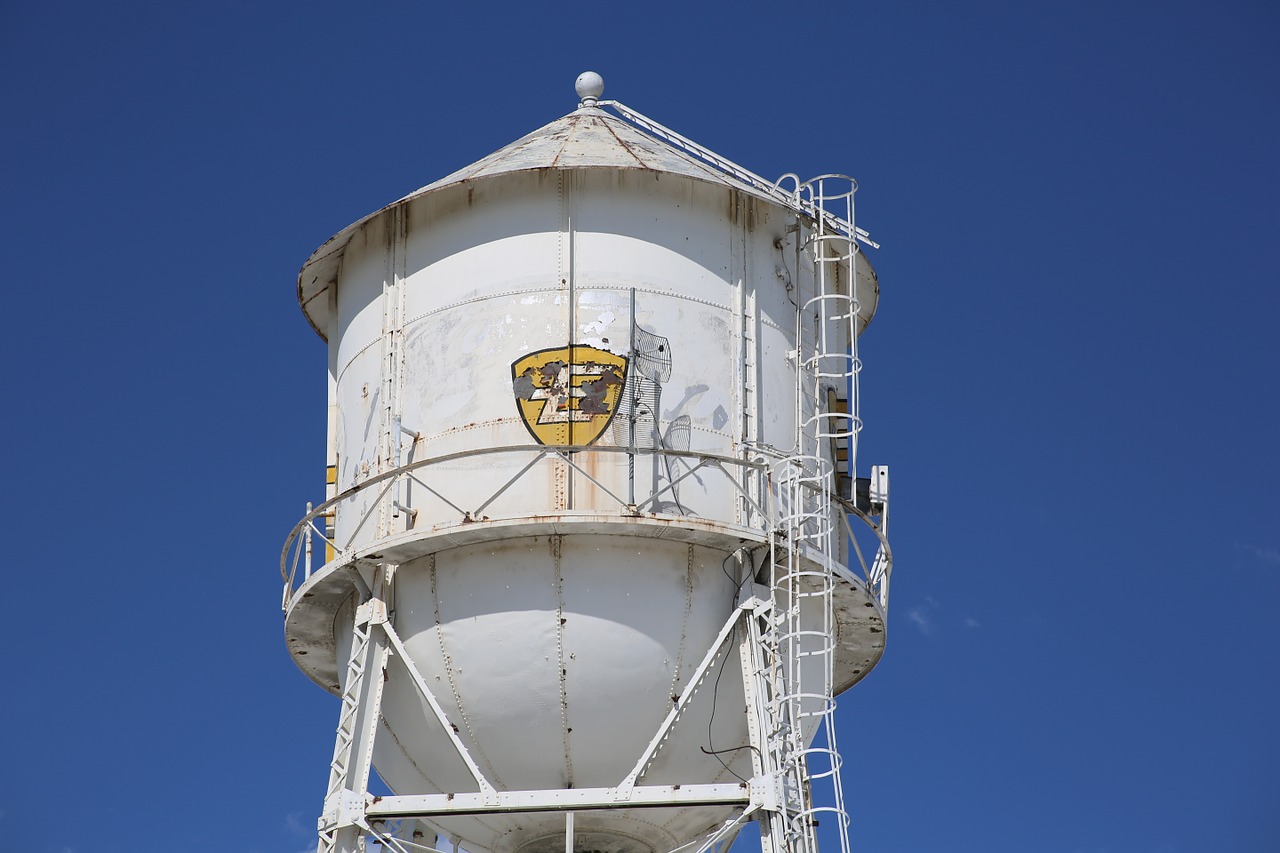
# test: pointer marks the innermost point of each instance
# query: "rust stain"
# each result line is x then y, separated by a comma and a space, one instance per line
555, 544
624, 146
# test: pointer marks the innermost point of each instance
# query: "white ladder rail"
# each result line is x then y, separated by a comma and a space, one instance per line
724, 164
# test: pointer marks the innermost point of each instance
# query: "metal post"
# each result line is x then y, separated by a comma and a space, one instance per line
756, 683
308, 541
573, 328
629, 383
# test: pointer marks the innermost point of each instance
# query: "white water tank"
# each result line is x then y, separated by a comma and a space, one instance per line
587, 286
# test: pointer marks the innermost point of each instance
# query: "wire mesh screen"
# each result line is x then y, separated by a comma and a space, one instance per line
638, 414
653, 356
636, 424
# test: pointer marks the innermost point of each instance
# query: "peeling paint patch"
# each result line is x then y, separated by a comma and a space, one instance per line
601, 325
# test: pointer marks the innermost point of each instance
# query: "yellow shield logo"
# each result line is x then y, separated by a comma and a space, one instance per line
568, 395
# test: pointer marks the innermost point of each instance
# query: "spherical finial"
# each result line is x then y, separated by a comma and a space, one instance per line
590, 86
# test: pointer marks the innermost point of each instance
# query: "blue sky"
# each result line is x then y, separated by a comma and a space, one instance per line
1072, 377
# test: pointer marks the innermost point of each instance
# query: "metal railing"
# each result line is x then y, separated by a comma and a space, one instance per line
296, 557
795, 200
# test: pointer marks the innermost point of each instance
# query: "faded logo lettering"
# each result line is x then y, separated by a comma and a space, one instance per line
568, 395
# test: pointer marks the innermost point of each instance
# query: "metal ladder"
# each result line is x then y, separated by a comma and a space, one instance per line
798, 643
800, 639
830, 362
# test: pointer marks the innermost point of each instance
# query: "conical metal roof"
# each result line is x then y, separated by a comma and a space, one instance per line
587, 138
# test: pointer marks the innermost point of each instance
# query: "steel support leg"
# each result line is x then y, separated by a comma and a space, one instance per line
342, 825
757, 683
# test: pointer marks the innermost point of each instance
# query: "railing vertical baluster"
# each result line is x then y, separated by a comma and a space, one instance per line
308, 541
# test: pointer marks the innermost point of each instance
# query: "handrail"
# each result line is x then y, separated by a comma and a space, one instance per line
295, 547
563, 452
742, 173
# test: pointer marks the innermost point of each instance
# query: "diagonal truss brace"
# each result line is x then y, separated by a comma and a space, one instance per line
713, 653
677, 481
487, 791
723, 837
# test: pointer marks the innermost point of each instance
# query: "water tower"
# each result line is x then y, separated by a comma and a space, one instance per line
595, 557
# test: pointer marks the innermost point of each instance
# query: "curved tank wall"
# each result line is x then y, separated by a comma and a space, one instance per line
559, 657
495, 270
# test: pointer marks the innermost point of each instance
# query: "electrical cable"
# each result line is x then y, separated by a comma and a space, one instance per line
715, 690
744, 555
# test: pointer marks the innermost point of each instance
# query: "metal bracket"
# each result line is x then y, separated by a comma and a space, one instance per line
879, 492
344, 808
351, 806
372, 612
755, 598
879, 484
766, 793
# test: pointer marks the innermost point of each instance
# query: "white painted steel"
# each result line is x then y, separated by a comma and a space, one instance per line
589, 86
587, 139
560, 799
468, 317
558, 618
